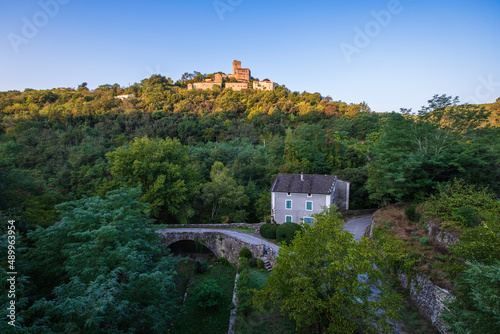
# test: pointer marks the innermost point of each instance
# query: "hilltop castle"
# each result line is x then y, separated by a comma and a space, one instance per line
242, 77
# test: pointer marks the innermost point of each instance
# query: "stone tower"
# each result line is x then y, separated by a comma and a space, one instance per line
236, 66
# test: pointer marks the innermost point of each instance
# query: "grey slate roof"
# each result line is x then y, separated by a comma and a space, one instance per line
312, 184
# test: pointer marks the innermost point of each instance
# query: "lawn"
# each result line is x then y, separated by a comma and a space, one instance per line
195, 320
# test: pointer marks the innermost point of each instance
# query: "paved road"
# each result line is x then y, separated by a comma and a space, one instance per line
358, 225
250, 239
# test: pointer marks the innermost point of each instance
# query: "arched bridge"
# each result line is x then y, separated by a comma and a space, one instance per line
223, 243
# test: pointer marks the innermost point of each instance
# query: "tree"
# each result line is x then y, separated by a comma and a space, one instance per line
163, 169
110, 272
475, 306
327, 279
411, 158
224, 195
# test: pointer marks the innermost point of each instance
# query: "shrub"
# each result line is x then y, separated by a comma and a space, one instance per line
268, 231
243, 264
286, 232
411, 213
200, 266
448, 204
245, 252
252, 263
260, 264
424, 240
223, 261
208, 294
244, 294
466, 216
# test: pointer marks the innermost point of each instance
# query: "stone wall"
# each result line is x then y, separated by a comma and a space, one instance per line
428, 297
439, 236
218, 226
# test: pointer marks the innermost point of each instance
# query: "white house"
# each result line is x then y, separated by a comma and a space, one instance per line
296, 197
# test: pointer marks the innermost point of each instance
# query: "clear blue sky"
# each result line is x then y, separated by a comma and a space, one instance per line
421, 48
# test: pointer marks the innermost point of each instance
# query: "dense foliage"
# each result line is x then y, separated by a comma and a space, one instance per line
195, 156
327, 279
268, 231
100, 270
286, 232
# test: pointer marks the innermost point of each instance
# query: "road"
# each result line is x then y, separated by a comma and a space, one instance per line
358, 225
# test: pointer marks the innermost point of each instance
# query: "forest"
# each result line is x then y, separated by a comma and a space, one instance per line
74, 162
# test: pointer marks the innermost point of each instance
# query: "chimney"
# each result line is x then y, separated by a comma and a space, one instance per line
301, 176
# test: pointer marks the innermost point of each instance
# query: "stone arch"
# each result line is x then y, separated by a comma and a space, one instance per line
223, 243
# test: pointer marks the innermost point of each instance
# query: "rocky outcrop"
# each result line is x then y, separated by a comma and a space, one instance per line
439, 236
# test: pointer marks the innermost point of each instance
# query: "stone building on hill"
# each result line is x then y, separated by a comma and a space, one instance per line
264, 85
241, 75
237, 86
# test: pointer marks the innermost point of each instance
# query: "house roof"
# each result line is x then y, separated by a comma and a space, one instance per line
312, 184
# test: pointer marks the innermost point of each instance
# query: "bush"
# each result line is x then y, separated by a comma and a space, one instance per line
252, 263
223, 261
200, 266
260, 264
286, 232
244, 294
448, 205
208, 294
268, 231
243, 264
466, 216
424, 241
245, 252
411, 213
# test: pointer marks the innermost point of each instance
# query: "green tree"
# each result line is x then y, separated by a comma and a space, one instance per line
327, 279
411, 158
162, 167
477, 301
110, 272
224, 196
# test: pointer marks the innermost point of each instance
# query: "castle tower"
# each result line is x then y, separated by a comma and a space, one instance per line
236, 66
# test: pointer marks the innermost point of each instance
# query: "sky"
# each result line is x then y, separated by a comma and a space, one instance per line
390, 54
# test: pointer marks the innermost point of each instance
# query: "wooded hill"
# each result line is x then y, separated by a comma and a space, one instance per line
193, 150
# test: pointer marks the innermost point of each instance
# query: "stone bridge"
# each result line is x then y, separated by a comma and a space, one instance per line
223, 243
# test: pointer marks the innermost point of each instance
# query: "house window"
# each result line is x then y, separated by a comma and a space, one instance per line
308, 220
289, 194
288, 219
309, 206
309, 195
288, 204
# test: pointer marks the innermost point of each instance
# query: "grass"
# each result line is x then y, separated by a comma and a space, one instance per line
242, 230
193, 319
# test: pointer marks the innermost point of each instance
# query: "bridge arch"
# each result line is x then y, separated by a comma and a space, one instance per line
223, 243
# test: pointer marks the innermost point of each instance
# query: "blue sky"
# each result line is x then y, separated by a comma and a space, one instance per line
389, 53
